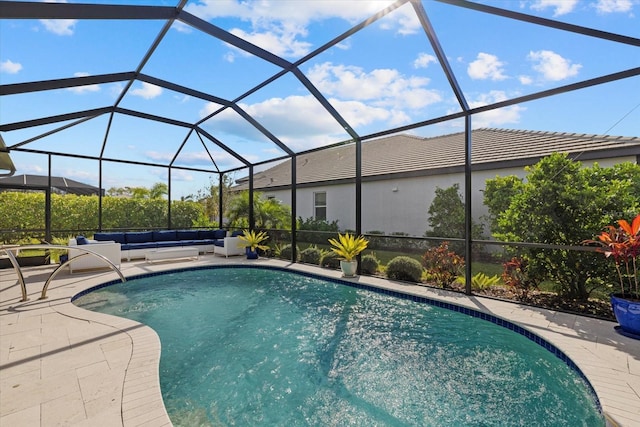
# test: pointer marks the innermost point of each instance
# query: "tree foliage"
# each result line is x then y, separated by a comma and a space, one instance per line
209, 198
446, 217
268, 213
157, 191
563, 203
20, 213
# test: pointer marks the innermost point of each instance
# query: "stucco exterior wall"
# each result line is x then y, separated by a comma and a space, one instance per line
400, 205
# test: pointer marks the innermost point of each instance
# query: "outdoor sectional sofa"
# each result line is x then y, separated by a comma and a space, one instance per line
136, 244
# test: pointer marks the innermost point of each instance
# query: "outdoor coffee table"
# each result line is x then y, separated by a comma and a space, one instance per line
172, 253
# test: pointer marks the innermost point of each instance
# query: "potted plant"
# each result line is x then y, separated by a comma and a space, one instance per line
252, 240
347, 247
622, 245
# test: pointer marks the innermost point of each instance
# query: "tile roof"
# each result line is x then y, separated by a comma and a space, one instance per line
408, 153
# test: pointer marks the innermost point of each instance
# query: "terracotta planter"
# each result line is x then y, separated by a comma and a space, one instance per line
627, 314
349, 268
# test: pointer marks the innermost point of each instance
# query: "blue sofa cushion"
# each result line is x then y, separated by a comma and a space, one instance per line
187, 235
144, 245
168, 244
219, 243
237, 233
198, 242
117, 237
139, 236
220, 234
164, 235
206, 234
81, 240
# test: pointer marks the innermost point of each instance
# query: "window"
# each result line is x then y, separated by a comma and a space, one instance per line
320, 205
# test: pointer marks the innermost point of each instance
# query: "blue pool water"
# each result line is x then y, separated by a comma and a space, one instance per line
264, 347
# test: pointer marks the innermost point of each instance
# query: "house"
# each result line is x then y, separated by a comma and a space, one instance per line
401, 172
59, 185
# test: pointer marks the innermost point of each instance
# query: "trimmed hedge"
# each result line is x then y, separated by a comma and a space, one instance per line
404, 268
369, 264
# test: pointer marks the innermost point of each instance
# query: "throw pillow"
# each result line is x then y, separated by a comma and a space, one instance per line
81, 240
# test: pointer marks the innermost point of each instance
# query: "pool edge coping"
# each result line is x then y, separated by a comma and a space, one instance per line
366, 282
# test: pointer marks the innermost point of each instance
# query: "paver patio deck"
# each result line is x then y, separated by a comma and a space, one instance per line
62, 365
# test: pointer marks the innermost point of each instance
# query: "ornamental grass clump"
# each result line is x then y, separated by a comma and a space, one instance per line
348, 246
311, 255
253, 240
622, 244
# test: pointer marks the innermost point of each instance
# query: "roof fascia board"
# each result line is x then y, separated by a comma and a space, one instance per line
544, 22
478, 167
19, 88
219, 33
54, 119
40, 10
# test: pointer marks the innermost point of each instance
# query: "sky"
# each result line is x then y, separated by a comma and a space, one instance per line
382, 77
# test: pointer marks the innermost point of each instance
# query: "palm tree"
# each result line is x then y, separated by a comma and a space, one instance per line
158, 190
268, 213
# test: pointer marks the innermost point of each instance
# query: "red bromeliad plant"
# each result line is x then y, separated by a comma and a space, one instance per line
622, 243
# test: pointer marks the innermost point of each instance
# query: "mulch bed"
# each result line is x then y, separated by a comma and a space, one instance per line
600, 309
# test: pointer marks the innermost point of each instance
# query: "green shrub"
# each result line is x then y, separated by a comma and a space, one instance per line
516, 275
330, 260
311, 255
443, 265
283, 251
369, 264
404, 268
480, 281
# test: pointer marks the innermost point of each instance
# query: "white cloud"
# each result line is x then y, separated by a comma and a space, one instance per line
300, 122
525, 80
182, 175
61, 27
31, 168
380, 96
280, 26
561, 7
83, 89
380, 87
147, 91
78, 175
613, 6
10, 67
280, 41
486, 66
553, 66
423, 60
498, 117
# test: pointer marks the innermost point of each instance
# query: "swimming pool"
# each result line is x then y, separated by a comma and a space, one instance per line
254, 346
